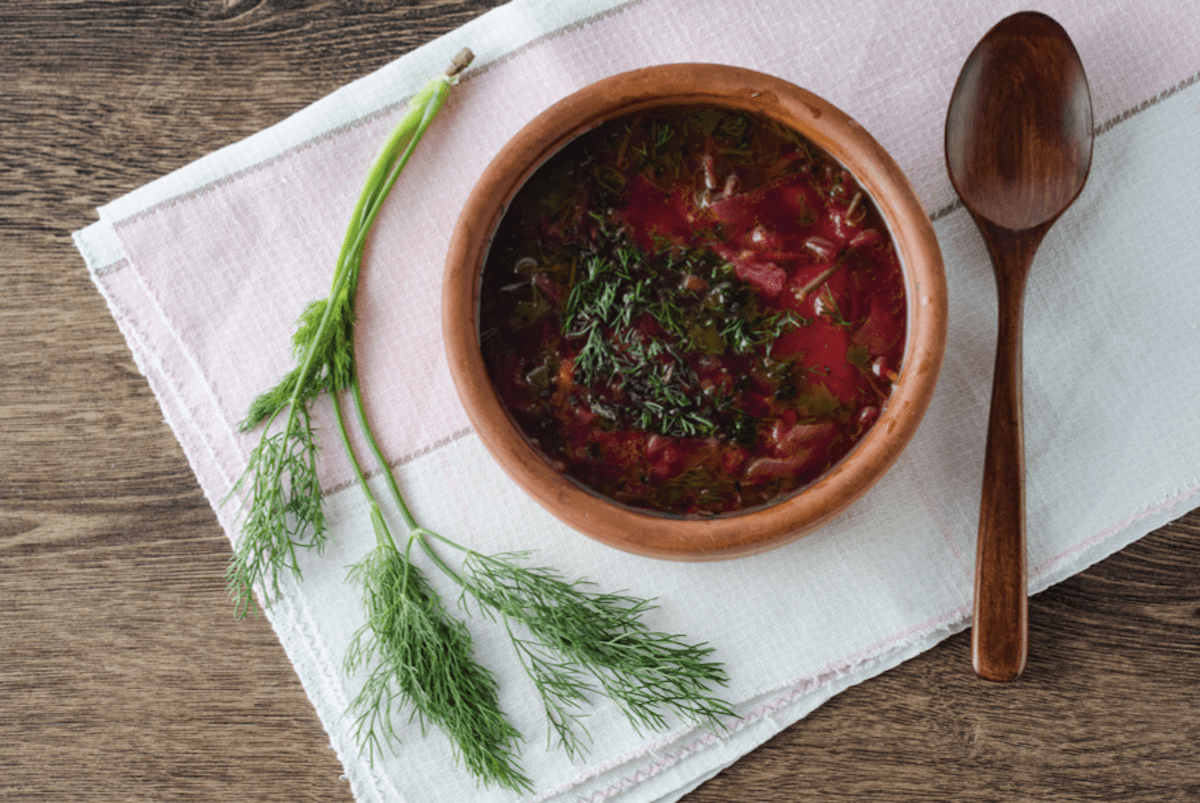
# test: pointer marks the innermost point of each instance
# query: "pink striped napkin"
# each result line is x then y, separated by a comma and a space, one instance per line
206, 270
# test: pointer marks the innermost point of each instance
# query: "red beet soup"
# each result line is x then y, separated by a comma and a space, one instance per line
693, 311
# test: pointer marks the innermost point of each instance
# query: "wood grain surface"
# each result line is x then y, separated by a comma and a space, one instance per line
123, 675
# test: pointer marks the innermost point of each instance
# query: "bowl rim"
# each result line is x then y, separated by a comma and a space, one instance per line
737, 534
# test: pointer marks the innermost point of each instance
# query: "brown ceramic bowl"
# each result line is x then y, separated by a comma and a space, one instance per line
737, 534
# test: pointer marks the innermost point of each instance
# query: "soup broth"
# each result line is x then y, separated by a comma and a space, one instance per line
693, 311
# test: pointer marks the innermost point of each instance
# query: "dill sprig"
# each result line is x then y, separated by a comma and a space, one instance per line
582, 642
417, 655
286, 511
414, 655
420, 657
280, 489
284, 493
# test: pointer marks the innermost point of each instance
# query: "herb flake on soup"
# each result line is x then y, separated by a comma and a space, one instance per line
693, 311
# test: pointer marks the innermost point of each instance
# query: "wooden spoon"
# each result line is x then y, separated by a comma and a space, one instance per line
1018, 149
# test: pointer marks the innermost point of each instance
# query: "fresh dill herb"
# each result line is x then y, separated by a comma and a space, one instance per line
416, 658
582, 642
662, 134
286, 511
746, 334
651, 149
280, 482
420, 657
416, 654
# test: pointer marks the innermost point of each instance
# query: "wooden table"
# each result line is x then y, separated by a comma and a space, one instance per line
123, 675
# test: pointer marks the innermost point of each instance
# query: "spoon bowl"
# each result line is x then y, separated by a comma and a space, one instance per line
1018, 150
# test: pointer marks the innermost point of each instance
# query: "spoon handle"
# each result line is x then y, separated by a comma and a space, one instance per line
999, 641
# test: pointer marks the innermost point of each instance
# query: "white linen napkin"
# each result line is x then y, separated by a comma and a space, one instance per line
206, 270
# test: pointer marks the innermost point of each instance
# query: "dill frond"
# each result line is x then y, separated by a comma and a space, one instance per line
284, 510
585, 641
323, 345
334, 343
422, 657
564, 691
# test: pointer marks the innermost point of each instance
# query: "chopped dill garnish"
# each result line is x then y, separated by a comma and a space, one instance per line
640, 320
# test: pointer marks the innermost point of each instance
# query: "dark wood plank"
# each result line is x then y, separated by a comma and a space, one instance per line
123, 675
1107, 710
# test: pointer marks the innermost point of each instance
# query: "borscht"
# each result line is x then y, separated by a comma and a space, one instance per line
692, 311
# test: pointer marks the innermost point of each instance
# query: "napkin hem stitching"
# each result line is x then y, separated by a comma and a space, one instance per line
1154, 100
152, 363
111, 267
214, 401
438, 444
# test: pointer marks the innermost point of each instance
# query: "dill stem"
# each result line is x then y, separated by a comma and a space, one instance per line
823, 276
427, 548
368, 434
423, 107
340, 417
415, 531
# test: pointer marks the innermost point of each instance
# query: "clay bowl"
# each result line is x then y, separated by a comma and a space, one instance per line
729, 535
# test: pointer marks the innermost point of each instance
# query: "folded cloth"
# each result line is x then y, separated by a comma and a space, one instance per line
207, 269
